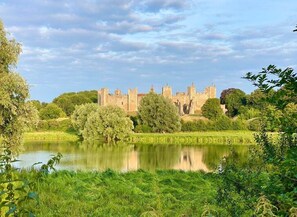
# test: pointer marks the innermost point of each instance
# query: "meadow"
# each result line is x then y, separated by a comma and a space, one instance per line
140, 193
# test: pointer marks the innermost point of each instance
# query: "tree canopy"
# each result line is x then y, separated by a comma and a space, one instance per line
109, 122
68, 101
15, 112
81, 114
159, 113
234, 100
51, 111
212, 109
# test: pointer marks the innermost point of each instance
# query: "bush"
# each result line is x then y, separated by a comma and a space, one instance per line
142, 129
212, 109
55, 125
223, 123
51, 111
254, 124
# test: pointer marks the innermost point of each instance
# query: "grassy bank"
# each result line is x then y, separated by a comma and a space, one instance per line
163, 193
192, 138
50, 136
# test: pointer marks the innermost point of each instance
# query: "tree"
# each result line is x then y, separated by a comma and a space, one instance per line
212, 109
109, 122
15, 116
37, 104
159, 113
80, 116
224, 93
284, 81
51, 111
270, 173
68, 101
234, 100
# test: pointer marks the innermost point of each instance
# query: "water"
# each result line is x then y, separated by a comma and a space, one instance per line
88, 157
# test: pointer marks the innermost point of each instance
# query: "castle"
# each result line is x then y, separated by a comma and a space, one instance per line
187, 103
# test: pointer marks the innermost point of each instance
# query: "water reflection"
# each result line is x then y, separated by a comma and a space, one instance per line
83, 156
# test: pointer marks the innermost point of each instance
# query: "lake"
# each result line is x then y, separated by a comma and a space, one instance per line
93, 157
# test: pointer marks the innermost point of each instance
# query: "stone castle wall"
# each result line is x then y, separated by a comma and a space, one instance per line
187, 103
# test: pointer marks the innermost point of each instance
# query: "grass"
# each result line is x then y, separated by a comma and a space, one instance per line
181, 138
140, 193
50, 136
192, 138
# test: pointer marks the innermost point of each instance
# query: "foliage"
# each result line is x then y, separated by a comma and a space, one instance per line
159, 113
270, 78
68, 101
61, 124
81, 114
15, 116
222, 123
51, 111
225, 93
234, 101
254, 124
247, 113
141, 128
37, 104
266, 184
257, 99
212, 109
109, 122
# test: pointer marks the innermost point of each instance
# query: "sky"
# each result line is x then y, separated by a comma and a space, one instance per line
75, 45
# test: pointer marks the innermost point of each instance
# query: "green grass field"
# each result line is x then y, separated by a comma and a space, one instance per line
162, 193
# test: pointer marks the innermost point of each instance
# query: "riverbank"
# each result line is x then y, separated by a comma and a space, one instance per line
181, 138
140, 193
235, 137
50, 136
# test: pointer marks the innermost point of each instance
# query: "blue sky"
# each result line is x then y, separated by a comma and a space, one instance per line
74, 45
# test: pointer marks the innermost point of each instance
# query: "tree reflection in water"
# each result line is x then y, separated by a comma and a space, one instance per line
94, 156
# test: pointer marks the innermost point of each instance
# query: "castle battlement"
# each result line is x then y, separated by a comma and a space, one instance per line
189, 102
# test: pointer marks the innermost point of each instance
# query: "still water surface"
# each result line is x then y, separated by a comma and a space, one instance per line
78, 156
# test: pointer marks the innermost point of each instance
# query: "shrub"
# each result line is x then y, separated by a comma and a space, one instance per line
212, 109
254, 124
51, 111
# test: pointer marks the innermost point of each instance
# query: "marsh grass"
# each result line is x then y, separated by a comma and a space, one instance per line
140, 193
193, 138
50, 136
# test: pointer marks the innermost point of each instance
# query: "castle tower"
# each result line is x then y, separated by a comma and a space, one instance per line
132, 100
191, 91
211, 91
117, 92
167, 92
102, 97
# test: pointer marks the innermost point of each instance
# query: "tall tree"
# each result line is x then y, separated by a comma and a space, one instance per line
15, 113
159, 113
234, 101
